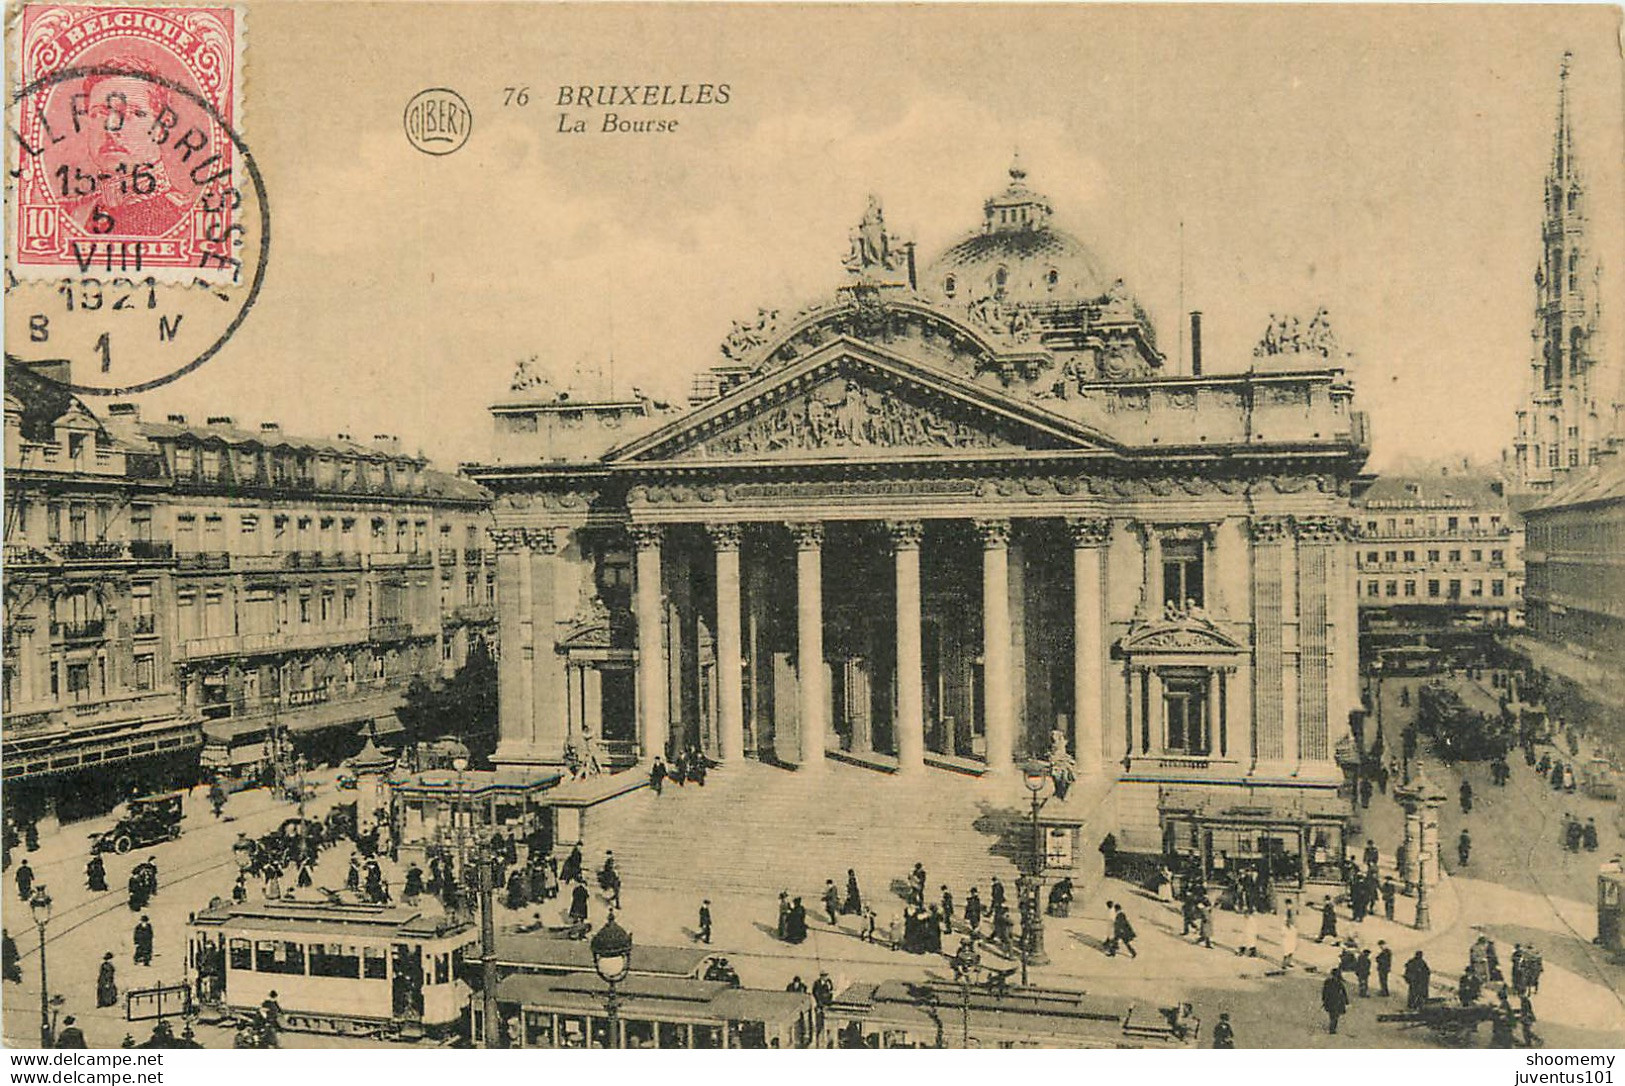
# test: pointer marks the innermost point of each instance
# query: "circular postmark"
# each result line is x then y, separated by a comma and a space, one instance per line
142, 228
437, 121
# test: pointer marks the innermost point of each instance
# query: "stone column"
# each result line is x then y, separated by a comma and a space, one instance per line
812, 706
592, 701
1155, 724
547, 684
651, 642
910, 729
1212, 712
1089, 535
1267, 733
730, 690
1151, 582
999, 712
513, 710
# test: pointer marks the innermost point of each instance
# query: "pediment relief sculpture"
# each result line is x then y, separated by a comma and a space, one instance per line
1179, 629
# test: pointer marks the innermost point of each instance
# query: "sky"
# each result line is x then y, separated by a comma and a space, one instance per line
1385, 163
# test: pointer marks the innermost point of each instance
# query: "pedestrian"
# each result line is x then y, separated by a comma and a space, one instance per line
413, 887
796, 985
138, 891
1123, 932
1469, 987
303, 880
1466, 797
71, 1036
997, 898
25, 880
1371, 855
1389, 891
870, 921
107, 983
1224, 1036
271, 1018
217, 798
352, 878
578, 904
947, 911
1334, 999
705, 921
1366, 789
1464, 847
1385, 965
572, 866
1328, 922
1204, 932
853, 905
142, 937
796, 926
517, 884
1526, 1018
10, 961
1249, 932
1362, 971
973, 911
1289, 937
657, 775
832, 902
823, 991
1417, 977
1502, 1024
1589, 835
784, 914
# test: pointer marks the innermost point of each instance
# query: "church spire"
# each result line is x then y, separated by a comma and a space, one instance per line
1564, 167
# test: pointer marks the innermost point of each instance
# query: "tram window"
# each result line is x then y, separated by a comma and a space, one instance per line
278, 956
242, 954
333, 960
707, 1036
538, 1030
374, 965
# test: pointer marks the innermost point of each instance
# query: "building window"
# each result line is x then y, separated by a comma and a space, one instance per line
949, 286
183, 461
1455, 589
1392, 588
1371, 557
144, 673
1184, 701
1390, 557
1497, 556
78, 681
1455, 556
1371, 588
1410, 588
1498, 588
1452, 525
1371, 527
1433, 590
1410, 556
1182, 573
1433, 556
141, 523
304, 607
1477, 588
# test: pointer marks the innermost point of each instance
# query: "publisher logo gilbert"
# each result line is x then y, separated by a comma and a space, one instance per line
635, 108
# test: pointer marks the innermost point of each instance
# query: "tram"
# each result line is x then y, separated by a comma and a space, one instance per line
340, 968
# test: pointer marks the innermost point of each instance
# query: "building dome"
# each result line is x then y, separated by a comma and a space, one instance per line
1017, 255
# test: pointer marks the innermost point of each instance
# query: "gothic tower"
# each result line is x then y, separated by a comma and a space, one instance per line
1570, 414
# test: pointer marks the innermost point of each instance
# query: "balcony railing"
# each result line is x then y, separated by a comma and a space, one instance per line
419, 559
93, 629
474, 612
93, 550
390, 630
152, 549
448, 556
203, 560
17, 554
144, 625
473, 556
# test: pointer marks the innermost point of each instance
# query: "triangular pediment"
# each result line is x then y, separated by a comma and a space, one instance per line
852, 400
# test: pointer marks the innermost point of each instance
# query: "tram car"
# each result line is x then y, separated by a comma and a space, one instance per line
336, 967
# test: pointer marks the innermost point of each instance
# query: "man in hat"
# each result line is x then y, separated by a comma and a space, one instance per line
71, 1036
142, 937
1385, 964
705, 921
1334, 999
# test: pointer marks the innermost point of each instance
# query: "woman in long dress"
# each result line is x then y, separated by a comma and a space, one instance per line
1289, 938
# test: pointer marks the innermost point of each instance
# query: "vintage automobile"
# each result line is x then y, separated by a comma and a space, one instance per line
149, 820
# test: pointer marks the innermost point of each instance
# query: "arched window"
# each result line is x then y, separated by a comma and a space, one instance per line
1053, 278
950, 285
1001, 277
1574, 199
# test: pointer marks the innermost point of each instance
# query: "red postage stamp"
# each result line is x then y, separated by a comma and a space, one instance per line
125, 142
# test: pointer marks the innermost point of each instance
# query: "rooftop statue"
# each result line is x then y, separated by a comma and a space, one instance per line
1118, 306
526, 378
746, 337
1284, 336
872, 246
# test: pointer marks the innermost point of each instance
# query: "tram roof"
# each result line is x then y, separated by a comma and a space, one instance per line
474, 782
325, 918
541, 952
653, 997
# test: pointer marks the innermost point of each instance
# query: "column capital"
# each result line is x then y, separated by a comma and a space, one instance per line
1089, 531
725, 535
507, 540
1269, 529
995, 532
646, 537
905, 534
542, 540
809, 534
1323, 529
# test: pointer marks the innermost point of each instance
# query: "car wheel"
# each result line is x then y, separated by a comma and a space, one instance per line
121, 844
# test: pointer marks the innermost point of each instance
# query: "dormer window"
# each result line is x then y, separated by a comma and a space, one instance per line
1053, 278
1001, 278
950, 286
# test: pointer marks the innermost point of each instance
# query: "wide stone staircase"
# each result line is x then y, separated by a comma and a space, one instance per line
755, 829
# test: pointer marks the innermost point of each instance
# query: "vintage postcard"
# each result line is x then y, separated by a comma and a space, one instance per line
677, 526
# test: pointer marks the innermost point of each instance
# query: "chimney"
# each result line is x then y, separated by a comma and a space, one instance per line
270, 427
344, 437
388, 442
220, 420
1196, 343
178, 420
124, 411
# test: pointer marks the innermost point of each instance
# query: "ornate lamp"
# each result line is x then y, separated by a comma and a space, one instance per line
40, 906
612, 957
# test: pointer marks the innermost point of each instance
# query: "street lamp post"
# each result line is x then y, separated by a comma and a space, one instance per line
1030, 885
488, 948
612, 957
965, 962
40, 906
460, 764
